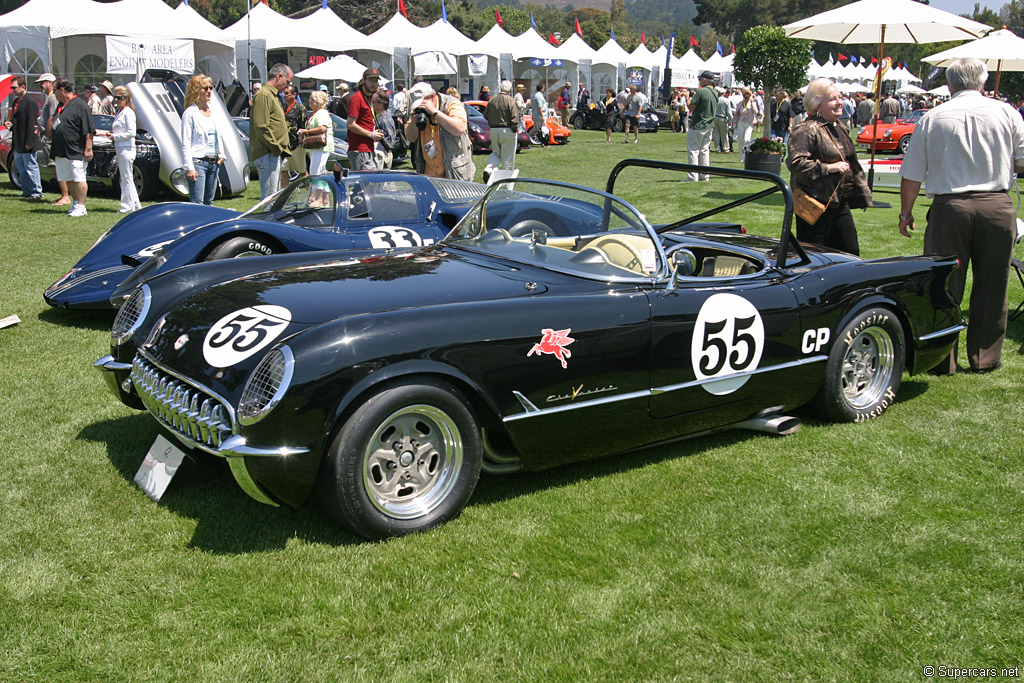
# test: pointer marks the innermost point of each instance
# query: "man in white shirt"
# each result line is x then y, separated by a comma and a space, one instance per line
967, 151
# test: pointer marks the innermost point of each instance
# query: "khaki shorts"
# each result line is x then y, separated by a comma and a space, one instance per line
70, 169
296, 163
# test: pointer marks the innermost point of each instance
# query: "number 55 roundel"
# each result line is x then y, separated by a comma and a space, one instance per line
239, 335
728, 338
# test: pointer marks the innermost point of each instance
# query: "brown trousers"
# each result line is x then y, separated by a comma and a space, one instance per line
979, 228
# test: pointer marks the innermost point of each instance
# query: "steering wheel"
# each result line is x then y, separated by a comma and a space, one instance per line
687, 266
619, 252
527, 227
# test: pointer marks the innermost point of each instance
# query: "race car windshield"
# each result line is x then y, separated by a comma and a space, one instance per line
561, 226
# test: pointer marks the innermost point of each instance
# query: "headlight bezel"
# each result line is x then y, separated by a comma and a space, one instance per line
127, 309
252, 394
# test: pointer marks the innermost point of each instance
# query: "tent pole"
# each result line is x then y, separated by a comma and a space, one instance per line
999, 68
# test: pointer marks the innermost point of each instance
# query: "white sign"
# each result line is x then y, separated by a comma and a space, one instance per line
158, 468
240, 334
728, 338
159, 53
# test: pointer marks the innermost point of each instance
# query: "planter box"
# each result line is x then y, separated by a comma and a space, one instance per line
761, 161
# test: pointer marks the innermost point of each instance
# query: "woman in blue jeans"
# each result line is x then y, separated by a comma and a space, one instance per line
201, 141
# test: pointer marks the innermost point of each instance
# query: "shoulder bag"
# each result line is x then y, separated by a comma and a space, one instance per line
807, 207
314, 140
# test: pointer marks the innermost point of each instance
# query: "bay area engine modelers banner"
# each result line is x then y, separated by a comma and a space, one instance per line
157, 53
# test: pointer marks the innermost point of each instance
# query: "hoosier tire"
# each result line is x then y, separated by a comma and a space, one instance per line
405, 461
864, 368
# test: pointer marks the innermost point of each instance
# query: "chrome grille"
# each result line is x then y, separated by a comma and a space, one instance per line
130, 314
195, 413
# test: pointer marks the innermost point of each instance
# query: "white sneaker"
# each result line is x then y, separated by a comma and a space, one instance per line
79, 211
74, 206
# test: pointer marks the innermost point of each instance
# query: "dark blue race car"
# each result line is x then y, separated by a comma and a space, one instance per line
382, 210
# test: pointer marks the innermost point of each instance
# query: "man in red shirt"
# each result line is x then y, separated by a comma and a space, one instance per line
361, 133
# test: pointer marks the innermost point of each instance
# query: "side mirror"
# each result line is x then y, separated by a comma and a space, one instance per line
683, 262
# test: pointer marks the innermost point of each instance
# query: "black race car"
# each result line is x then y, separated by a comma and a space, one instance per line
594, 118
554, 324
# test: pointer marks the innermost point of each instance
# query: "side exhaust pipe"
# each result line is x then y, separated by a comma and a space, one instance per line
782, 425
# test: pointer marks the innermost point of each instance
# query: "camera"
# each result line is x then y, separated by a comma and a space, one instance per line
421, 118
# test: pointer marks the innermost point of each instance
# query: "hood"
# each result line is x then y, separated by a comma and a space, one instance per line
346, 286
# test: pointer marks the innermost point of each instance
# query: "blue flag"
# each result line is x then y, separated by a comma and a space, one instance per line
718, 48
853, 59
613, 34
533, 24
444, 12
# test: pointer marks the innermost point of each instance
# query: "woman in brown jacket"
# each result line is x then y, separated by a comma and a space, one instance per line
823, 163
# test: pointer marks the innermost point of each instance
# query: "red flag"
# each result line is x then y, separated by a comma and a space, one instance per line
874, 60
643, 38
579, 31
734, 48
497, 17
401, 8
552, 39
693, 42
842, 56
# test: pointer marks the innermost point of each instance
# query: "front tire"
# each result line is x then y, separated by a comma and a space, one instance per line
578, 121
406, 461
904, 144
864, 368
618, 125
12, 172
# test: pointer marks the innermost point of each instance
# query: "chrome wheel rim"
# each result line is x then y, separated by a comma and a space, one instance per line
867, 367
411, 463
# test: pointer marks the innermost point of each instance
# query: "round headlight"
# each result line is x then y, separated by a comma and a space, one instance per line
266, 385
131, 315
179, 181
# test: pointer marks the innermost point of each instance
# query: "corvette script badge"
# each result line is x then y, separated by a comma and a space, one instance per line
554, 343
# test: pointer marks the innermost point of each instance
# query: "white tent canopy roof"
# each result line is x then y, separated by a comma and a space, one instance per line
611, 53
340, 68
324, 27
200, 26
530, 45
690, 61
265, 24
400, 32
910, 89
895, 21
575, 49
497, 41
452, 39
135, 18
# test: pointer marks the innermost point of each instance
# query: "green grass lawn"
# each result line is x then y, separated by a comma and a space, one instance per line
844, 552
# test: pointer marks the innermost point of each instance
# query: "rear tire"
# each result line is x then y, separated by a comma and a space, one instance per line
578, 121
619, 125
240, 247
864, 368
407, 460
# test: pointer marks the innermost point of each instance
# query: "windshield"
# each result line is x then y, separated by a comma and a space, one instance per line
560, 226
308, 195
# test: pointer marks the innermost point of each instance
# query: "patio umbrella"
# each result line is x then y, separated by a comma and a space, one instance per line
876, 21
910, 90
340, 68
941, 91
1000, 50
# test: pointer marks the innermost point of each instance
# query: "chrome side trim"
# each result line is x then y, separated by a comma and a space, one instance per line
746, 373
573, 406
236, 447
242, 477
527, 403
955, 329
108, 364
650, 392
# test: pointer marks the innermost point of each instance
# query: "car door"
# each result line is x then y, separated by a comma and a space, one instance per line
721, 348
386, 212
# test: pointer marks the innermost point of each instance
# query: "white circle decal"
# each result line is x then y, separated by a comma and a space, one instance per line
239, 335
728, 338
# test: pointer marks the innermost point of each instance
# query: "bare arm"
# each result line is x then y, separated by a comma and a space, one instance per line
908, 195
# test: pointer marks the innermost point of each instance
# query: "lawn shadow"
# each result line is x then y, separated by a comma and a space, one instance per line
83, 319
227, 520
1015, 330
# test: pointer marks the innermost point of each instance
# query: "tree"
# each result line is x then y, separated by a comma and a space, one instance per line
765, 57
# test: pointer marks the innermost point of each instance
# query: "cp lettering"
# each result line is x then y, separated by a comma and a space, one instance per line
815, 339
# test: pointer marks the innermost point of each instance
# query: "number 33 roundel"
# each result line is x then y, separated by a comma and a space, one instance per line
239, 335
728, 338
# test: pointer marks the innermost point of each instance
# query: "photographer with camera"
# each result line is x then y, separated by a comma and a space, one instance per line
438, 128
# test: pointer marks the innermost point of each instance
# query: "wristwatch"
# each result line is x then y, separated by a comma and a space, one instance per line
908, 217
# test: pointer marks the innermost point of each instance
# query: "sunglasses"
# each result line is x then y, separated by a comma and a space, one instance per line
120, 97
207, 87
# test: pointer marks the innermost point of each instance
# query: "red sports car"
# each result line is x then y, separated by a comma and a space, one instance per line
891, 137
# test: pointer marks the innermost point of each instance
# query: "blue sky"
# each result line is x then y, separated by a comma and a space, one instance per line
966, 6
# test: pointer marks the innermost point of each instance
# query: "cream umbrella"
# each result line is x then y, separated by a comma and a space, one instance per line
876, 21
1000, 50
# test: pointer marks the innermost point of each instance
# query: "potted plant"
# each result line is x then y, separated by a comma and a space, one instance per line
764, 154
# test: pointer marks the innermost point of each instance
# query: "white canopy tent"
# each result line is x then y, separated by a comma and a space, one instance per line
576, 50
69, 37
339, 68
910, 90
